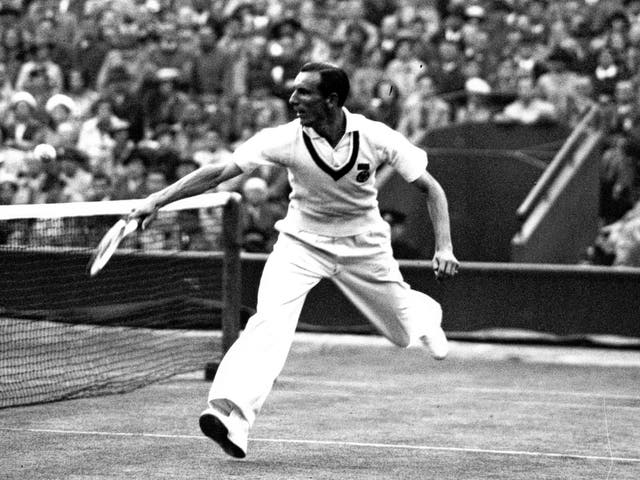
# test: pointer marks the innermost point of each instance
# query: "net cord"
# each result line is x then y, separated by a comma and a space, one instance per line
112, 207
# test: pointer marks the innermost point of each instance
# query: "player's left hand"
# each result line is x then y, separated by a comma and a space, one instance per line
445, 264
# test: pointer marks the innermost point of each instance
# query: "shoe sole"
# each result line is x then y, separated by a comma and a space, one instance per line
213, 428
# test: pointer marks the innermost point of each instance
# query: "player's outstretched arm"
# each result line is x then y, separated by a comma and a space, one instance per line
445, 263
198, 181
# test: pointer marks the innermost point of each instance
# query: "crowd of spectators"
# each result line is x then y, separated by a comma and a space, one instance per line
134, 94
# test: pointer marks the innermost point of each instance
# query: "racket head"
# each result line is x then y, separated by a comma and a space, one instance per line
109, 244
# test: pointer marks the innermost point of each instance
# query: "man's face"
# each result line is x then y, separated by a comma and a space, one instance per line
310, 105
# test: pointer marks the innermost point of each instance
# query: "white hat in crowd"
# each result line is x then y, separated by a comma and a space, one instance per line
24, 97
60, 99
478, 86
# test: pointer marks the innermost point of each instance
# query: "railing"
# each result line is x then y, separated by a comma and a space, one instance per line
561, 159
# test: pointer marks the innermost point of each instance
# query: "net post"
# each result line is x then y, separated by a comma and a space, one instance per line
231, 278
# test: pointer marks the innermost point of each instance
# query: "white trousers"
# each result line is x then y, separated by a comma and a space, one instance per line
364, 269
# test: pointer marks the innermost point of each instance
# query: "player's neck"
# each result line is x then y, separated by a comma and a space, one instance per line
333, 128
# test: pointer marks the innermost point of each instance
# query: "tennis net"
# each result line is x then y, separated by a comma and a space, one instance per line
166, 303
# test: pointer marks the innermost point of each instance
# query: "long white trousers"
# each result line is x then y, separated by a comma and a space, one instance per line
364, 269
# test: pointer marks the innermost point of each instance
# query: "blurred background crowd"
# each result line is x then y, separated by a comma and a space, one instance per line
134, 94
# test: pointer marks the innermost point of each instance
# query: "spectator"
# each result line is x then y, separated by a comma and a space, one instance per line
129, 184
232, 42
355, 45
198, 231
260, 109
82, 95
257, 66
452, 30
22, 129
504, 79
51, 190
40, 64
74, 173
210, 69
6, 90
96, 137
627, 245
582, 102
101, 188
164, 102
528, 58
168, 54
123, 145
286, 60
607, 73
364, 80
617, 176
475, 108
190, 129
13, 50
403, 70
389, 29
258, 216
165, 234
449, 77
619, 243
386, 104
48, 30
625, 114
528, 108
8, 189
125, 53
558, 85
89, 51
63, 122
30, 174
120, 91
423, 111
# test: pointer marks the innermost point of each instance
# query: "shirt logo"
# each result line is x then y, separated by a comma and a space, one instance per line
363, 172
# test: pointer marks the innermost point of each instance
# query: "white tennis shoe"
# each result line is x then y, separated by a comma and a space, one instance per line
436, 342
215, 427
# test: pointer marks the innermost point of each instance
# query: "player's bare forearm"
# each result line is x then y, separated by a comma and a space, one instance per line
444, 262
439, 212
199, 181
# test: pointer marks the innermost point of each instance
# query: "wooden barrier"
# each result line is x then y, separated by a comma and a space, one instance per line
555, 299
565, 300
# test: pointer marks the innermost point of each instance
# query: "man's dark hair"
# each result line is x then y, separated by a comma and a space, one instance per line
333, 79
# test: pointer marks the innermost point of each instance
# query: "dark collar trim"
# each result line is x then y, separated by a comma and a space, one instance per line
335, 174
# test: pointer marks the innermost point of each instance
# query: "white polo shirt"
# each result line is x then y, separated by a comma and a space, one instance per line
333, 190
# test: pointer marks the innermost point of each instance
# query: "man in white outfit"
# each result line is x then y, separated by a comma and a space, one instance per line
333, 229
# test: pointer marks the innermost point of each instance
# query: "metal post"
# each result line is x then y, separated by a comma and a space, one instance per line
231, 279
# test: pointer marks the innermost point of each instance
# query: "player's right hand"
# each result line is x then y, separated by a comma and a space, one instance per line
145, 213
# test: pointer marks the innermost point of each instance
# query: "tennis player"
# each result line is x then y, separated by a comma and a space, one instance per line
333, 229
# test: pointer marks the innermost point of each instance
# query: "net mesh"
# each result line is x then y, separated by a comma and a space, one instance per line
154, 311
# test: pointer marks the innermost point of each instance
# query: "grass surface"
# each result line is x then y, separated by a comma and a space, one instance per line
360, 411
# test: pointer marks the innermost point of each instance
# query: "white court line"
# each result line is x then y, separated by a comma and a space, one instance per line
585, 406
497, 390
335, 443
550, 392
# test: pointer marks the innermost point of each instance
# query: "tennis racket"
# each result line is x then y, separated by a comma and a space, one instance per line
109, 244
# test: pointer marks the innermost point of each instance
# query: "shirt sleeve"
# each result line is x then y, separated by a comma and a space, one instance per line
407, 159
264, 148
